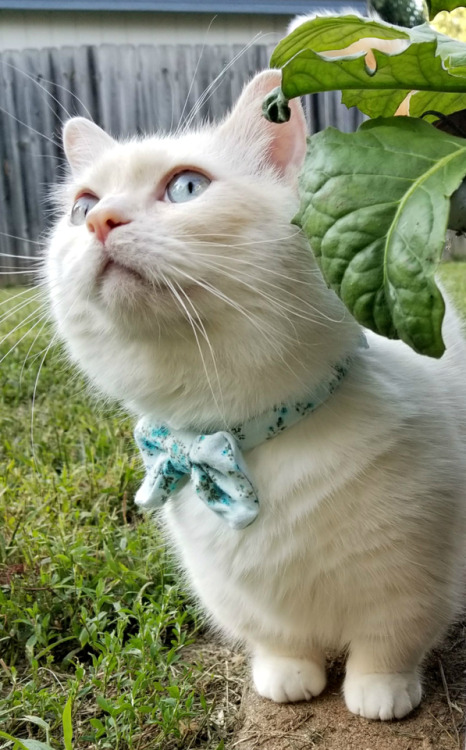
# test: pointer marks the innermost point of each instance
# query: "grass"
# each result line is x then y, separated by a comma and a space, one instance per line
96, 633
91, 610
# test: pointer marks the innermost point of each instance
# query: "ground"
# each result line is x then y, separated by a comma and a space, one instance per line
259, 724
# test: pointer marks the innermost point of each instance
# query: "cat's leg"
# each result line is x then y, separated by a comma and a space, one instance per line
285, 678
382, 681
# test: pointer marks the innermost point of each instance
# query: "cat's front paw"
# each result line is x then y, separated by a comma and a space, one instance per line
382, 696
285, 679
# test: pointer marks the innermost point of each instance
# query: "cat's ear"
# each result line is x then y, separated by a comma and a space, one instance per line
84, 142
284, 145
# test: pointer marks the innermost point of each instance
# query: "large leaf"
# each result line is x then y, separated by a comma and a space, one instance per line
375, 206
332, 33
436, 6
431, 69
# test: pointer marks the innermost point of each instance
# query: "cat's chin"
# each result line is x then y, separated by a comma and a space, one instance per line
118, 272
119, 286
136, 305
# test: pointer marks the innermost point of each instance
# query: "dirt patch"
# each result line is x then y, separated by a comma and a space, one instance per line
438, 724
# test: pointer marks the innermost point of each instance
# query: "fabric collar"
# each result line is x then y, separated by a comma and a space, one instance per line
214, 462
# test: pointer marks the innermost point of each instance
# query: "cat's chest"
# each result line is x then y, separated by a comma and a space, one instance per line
295, 476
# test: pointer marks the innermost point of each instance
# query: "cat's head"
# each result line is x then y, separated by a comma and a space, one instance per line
177, 252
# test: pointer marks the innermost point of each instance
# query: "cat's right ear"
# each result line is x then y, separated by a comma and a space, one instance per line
84, 142
281, 146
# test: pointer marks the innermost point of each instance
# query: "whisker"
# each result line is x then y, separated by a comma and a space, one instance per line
48, 93
265, 329
262, 329
212, 354
282, 304
193, 77
29, 127
36, 382
16, 308
311, 272
193, 327
34, 393
245, 243
212, 87
31, 328
46, 321
21, 239
19, 294
272, 301
13, 271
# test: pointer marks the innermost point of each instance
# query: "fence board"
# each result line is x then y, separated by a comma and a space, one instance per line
127, 90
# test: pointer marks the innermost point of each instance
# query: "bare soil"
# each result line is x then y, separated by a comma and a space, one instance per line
253, 723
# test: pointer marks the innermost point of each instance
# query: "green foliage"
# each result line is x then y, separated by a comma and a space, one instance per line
399, 12
379, 234
375, 204
93, 619
331, 33
31, 744
432, 66
436, 6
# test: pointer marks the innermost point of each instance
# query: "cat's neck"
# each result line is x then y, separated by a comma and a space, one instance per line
223, 381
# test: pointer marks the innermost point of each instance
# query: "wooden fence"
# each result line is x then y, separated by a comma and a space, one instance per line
126, 90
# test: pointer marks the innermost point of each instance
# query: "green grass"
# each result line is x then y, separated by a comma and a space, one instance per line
92, 616
91, 610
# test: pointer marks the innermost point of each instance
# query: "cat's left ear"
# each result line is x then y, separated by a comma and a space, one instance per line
284, 145
84, 142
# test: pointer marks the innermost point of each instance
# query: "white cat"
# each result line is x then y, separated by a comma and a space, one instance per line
182, 290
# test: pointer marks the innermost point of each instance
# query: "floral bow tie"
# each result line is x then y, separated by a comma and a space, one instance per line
213, 462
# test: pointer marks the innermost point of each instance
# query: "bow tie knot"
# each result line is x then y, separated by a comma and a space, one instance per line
213, 462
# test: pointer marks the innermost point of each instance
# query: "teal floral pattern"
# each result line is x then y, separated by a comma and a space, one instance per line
213, 462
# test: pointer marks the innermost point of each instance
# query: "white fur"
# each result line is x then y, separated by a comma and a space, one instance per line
360, 539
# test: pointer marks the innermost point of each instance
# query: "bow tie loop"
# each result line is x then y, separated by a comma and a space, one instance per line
213, 462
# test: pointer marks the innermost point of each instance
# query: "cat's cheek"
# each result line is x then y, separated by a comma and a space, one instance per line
71, 263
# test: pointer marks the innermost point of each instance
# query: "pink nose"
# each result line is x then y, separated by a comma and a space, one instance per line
102, 220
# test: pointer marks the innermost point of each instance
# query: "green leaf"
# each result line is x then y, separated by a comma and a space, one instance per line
436, 6
104, 704
25, 744
375, 207
67, 726
428, 66
331, 33
37, 720
97, 724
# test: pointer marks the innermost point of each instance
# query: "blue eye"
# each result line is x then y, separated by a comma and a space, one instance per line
186, 185
82, 207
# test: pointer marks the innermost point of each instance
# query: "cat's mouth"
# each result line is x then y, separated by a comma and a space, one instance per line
110, 265
111, 268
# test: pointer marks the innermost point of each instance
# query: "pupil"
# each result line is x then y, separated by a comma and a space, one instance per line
190, 188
